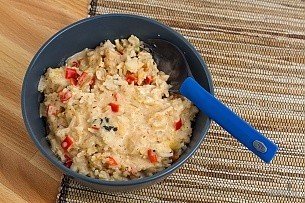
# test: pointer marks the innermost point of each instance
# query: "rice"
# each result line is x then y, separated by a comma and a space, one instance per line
110, 114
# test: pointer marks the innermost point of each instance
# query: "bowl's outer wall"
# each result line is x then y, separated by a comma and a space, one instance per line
127, 188
88, 33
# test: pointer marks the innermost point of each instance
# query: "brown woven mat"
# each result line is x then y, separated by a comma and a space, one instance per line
255, 51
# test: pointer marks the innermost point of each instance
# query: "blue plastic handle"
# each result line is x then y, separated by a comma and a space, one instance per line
238, 128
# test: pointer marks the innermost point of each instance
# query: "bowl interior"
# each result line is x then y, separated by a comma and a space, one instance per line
88, 33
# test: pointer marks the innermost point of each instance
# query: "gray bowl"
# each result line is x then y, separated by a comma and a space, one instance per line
88, 33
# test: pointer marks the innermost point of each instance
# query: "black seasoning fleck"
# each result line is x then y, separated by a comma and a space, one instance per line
107, 119
107, 128
101, 120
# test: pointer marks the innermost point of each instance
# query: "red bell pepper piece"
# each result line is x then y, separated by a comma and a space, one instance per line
111, 161
71, 73
152, 156
114, 107
66, 143
65, 96
131, 77
178, 124
148, 80
68, 161
95, 127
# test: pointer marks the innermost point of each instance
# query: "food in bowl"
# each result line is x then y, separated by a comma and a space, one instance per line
110, 114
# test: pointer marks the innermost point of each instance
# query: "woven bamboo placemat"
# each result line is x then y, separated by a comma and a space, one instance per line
255, 51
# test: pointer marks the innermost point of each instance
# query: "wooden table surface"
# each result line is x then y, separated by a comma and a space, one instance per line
25, 176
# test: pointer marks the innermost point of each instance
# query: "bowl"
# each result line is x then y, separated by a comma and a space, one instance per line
88, 33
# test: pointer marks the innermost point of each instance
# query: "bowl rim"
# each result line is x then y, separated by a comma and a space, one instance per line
69, 172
